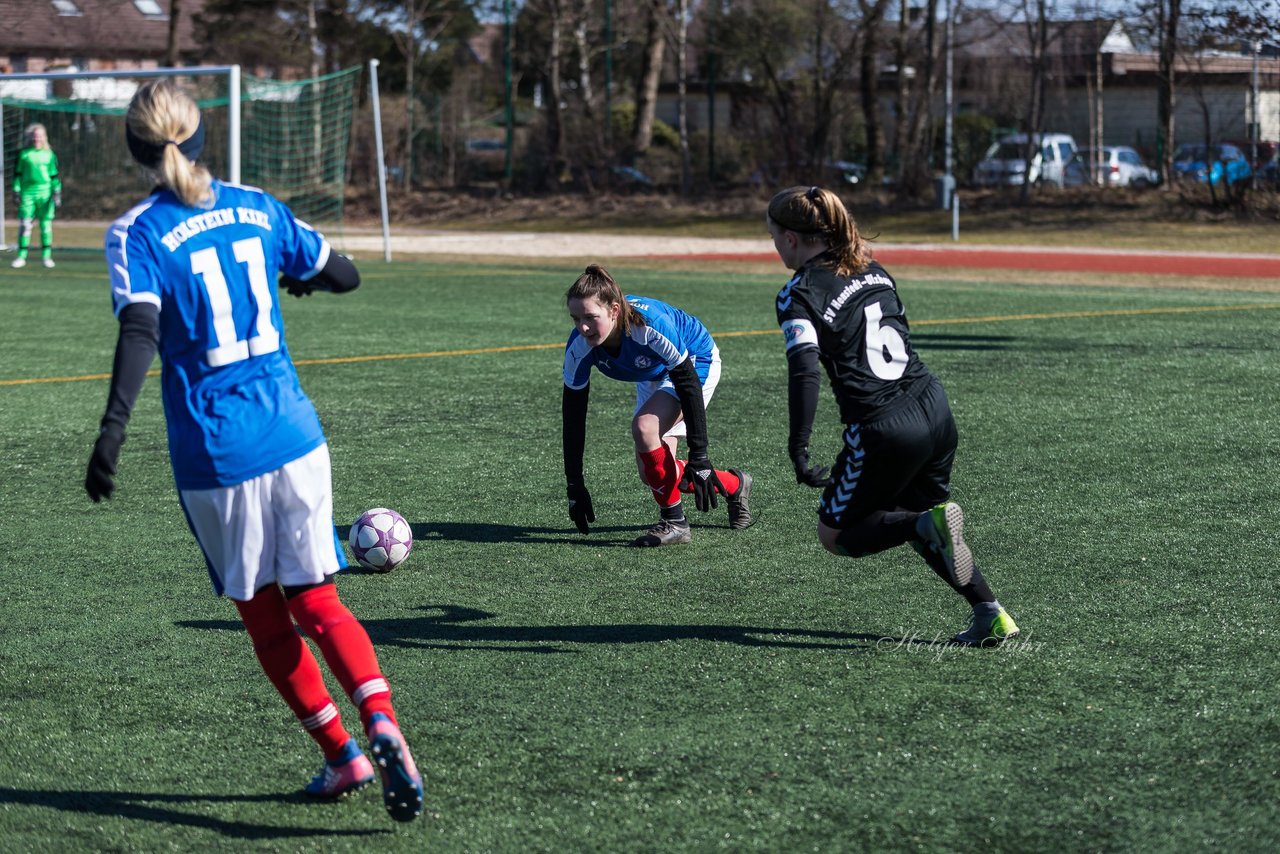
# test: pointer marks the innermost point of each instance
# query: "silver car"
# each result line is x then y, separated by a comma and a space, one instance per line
1110, 166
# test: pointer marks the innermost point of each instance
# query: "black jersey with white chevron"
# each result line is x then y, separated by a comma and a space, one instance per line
860, 330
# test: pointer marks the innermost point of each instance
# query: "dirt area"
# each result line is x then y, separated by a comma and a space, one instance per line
658, 228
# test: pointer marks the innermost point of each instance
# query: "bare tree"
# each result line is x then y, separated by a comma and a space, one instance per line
171, 48
1169, 15
650, 75
1037, 24
681, 38
801, 58
915, 50
873, 13
413, 25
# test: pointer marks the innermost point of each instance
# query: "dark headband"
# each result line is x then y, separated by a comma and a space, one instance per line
149, 154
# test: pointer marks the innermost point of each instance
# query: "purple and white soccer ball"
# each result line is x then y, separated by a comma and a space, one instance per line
381, 539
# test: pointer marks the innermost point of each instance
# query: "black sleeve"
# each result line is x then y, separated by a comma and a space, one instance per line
803, 384
684, 377
338, 276
135, 349
573, 410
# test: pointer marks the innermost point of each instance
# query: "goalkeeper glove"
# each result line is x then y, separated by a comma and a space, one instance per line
99, 481
57, 199
580, 509
704, 481
809, 475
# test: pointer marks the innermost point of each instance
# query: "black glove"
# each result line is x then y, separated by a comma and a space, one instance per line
296, 287
807, 475
99, 482
699, 474
580, 509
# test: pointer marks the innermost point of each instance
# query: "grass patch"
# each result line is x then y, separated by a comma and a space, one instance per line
745, 692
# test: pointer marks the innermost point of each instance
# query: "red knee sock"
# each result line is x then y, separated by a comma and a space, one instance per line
661, 474
346, 648
292, 668
728, 478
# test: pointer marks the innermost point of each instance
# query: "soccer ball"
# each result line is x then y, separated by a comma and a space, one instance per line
381, 539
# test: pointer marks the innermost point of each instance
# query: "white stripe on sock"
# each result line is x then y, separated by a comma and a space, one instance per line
320, 718
368, 689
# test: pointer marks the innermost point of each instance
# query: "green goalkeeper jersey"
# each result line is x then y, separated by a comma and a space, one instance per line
36, 172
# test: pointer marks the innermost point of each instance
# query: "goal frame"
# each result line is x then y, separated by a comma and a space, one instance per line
233, 75
231, 72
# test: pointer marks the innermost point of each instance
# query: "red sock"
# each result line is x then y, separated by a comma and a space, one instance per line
730, 480
661, 474
346, 648
292, 668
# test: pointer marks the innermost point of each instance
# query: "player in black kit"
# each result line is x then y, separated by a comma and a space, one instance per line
892, 478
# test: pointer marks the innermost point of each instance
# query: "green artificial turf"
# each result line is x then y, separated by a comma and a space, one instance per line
747, 692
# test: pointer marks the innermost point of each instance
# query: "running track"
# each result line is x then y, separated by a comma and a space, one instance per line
1073, 260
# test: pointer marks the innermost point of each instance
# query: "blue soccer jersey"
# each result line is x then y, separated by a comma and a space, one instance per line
234, 406
666, 339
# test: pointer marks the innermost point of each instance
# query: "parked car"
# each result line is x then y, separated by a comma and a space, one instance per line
1110, 166
1269, 174
1005, 163
1194, 162
831, 172
1259, 153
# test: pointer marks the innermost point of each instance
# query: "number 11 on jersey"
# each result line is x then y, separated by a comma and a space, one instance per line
264, 337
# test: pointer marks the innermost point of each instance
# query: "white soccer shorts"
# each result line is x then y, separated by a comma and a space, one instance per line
708, 372
275, 528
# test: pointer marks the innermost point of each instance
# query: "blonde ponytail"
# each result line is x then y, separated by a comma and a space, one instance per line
163, 116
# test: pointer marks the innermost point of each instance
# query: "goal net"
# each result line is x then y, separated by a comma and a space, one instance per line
293, 142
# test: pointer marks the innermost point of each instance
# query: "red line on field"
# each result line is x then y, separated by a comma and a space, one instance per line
1150, 263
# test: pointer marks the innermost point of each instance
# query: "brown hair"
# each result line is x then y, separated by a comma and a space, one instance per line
161, 112
818, 216
596, 283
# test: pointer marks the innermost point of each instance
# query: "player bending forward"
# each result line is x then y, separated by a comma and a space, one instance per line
893, 475
193, 272
675, 365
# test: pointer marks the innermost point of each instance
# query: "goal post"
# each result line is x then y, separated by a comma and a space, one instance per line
83, 113
291, 138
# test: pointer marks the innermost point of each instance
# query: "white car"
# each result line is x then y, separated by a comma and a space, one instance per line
1005, 161
1110, 166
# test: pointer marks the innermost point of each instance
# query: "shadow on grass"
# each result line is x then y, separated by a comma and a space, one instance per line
452, 628
952, 341
485, 532
143, 806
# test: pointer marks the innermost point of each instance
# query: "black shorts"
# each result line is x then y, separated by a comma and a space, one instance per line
900, 459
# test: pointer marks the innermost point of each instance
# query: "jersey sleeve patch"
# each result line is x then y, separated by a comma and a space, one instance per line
662, 346
799, 333
577, 364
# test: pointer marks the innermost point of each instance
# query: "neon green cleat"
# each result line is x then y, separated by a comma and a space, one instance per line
988, 630
941, 529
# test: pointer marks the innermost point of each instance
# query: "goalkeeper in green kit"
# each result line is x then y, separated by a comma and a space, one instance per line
38, 190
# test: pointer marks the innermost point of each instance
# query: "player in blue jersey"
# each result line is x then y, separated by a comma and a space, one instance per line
675, 364
892, 478
193, 270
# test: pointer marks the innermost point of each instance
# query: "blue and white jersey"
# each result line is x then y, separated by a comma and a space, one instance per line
668, 337
232, 400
